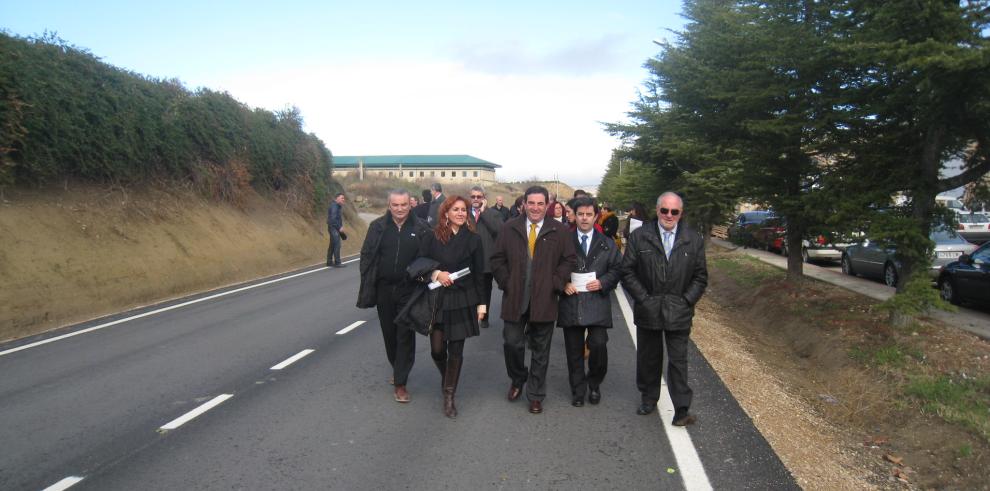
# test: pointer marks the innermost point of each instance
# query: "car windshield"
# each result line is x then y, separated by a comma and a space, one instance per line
946, 236
973, 218
755, 216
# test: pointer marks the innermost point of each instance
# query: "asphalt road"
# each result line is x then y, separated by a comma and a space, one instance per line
93, 406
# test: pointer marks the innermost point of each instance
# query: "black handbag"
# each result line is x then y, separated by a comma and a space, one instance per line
422, 310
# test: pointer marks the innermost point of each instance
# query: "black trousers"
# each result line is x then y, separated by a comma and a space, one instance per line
333, 251
515, 336
597, 358
649, 365
400, 343
487, 294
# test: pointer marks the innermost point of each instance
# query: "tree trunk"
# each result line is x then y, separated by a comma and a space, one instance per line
795, 261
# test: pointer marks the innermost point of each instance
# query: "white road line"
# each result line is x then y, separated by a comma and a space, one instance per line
349, 328
64, 484
294, 358
688, 462
158, 311
185, 418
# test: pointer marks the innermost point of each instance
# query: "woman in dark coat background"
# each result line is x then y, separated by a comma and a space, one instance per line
455, 246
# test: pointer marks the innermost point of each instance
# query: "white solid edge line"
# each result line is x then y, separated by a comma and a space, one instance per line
294, 358
688, 462
185, 418
158, 311
349, 328
64, 484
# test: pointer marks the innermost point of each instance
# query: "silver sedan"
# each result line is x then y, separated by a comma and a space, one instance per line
870, 259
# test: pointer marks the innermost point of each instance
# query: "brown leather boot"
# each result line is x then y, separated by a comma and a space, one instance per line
450, 386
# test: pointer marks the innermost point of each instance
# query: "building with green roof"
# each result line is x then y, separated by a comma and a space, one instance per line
438, 168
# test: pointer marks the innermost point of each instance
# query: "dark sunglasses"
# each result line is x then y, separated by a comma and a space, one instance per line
668, 211
477, 196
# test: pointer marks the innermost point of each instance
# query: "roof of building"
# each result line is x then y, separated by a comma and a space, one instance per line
411, 161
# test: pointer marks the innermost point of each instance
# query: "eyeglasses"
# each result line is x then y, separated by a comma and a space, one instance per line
477, 196
668, 211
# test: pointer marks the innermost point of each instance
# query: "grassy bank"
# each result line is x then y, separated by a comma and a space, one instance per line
81, 251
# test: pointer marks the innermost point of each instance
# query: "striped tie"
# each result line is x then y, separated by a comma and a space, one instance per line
532, 239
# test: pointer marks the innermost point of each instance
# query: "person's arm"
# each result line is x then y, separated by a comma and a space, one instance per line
565, 264
613, 271
499, 261
699, 275
630, 264
477, 273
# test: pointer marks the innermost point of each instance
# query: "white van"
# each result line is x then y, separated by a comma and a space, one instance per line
951, 203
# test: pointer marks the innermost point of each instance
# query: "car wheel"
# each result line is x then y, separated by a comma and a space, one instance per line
890, 275
948, 291
847, 267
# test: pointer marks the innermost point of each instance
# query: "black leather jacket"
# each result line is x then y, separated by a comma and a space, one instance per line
593, 308
369, 255
665, 291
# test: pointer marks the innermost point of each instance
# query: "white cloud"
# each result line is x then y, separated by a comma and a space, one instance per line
532, 125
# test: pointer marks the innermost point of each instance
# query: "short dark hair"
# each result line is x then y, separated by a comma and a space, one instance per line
337, 195
537, 190
427, 196
579, 193
581, 202
436, 187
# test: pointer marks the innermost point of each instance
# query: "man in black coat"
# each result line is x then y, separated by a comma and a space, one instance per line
391, 244
487, 221
665, 272
435, 202
422, 210
335, 222
587, 306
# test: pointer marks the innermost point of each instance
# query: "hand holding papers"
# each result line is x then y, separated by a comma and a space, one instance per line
580, 280
453, 277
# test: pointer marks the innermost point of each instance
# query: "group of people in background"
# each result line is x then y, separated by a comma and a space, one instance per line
556, 264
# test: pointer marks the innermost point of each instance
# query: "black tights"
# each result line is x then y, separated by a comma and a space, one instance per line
441, 348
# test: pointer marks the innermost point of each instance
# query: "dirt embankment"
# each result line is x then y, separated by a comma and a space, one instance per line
82, 251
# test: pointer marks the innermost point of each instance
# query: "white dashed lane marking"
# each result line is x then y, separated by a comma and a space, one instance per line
185, 418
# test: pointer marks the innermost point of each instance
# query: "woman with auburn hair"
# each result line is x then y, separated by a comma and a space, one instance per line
456, 246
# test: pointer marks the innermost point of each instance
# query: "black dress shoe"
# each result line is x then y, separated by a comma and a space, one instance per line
514, 393
577, 401
339, 266
683, 419
595, 396
645, 409
535, 407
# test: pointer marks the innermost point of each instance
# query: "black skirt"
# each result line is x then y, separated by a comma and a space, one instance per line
459, 324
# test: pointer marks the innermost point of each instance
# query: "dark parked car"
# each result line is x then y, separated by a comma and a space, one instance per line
816, 246
742, 229
870, 259
968, 278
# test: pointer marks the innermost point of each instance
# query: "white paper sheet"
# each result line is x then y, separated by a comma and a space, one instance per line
580, 280
453, 277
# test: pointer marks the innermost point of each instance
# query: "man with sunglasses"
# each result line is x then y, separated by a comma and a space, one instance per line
665, 272
486, 222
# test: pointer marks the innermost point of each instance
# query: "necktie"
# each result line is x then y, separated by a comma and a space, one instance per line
667, 242
476, 213
532, 239
584, 244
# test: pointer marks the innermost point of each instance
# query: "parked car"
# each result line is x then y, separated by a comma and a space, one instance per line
974, 227
816, 246
872, 260
741, 229
968, 278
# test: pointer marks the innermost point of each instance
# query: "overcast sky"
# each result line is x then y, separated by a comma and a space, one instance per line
525, 86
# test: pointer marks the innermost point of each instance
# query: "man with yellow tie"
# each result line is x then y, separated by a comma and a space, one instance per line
532, 264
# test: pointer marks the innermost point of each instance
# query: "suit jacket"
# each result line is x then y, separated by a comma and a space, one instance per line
487, 227
665, 290
548, 271
435, 208
593, 308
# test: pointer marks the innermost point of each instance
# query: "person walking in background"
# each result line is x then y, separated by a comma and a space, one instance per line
393, 241
335, 223
422, 210
556, 211
665, 272
455, 246
486, 222
413, 203
501, 208
587, 306
517, 207
533, 260
435, 202
608, 221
